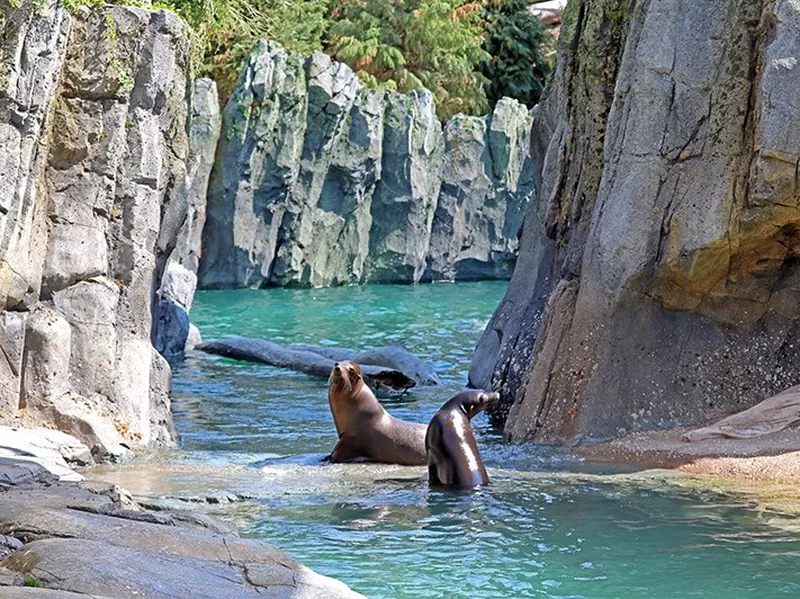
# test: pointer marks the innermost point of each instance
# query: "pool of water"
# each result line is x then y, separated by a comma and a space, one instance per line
535, 532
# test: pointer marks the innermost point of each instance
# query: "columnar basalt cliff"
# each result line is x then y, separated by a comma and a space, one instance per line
322, 181
658, 274
100, 186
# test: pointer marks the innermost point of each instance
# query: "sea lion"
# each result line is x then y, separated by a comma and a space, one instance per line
365, 429
453, 457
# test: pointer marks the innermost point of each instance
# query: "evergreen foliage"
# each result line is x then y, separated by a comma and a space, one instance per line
407, 44
227, 30
515, 42
468, 54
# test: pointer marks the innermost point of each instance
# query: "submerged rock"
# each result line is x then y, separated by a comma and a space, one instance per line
320, 181
657, 275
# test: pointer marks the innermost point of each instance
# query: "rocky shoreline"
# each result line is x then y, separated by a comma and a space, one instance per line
70, 539
774, 457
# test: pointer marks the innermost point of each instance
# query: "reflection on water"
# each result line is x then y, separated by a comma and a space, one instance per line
258, 432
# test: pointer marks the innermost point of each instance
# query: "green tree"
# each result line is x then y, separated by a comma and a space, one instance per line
226, 30
407, 44
516, 43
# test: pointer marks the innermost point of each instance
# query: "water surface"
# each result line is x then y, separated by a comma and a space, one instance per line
535, 532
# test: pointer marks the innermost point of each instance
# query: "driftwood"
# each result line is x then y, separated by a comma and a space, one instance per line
390, 356
770, 416
312, 363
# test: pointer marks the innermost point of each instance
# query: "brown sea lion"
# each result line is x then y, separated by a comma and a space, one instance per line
365, 429
453, 457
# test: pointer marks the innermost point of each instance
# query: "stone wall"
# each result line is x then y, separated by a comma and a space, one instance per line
100, 186
322, 181
657, 282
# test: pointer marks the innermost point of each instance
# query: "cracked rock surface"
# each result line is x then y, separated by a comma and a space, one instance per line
90, 540
658, 277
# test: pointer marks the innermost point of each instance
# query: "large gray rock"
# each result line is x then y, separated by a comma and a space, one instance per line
657, 274
12, 340
487, 183
405, 200
320, 181
103, 545
106, 186
258, 159
32, 51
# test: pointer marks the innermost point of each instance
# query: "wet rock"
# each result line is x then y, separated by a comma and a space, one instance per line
392, 356
655, 276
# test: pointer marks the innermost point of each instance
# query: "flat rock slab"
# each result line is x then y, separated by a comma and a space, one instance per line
88, 538
774, 456
37, 593
377, 376
14, 471
51, 449
95, 567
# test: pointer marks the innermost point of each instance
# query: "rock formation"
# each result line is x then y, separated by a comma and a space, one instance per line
91, 540
321, 181
658, 274
101, 185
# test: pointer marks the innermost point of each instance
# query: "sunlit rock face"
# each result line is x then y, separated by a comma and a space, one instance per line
321, 181
101, 186
657, 282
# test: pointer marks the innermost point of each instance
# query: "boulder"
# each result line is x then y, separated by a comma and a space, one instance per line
655, 276
130, 553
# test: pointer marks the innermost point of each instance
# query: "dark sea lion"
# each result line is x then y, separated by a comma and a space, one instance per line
365, 429
453, 457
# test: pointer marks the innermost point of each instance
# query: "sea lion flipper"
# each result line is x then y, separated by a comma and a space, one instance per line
344, 451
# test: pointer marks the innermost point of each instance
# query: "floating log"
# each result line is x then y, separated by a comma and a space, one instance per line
301, 358
390, 356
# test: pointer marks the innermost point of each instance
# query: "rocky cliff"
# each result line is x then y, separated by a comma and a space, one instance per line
321, 181
658, 275
101, 186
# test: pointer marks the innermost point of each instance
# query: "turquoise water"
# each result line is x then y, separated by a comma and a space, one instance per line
535, 532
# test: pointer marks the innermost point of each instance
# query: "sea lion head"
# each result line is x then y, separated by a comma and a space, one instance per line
475, 402
345, 375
